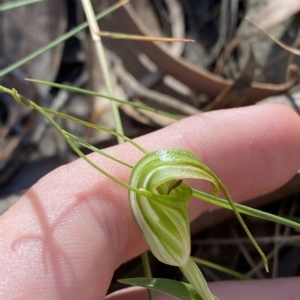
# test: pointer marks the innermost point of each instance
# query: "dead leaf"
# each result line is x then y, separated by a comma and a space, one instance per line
236, 94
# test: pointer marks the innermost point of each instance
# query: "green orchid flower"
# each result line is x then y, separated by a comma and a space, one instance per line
162, 215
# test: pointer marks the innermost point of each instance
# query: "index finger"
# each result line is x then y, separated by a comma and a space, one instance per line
72, 229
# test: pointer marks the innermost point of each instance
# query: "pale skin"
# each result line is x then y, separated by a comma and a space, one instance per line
72, 229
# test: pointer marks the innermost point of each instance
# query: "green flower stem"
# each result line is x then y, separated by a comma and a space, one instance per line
68, 138
197, 280
243, 209
95, 149
148, 273
23, 100
97, 127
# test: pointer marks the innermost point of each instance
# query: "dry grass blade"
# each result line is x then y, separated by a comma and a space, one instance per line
102, 60
279, 43
119, 35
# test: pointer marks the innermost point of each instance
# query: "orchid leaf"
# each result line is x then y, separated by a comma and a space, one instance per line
180, 290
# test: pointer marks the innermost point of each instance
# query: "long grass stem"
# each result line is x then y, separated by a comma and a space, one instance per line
57, 41
16, 4
92, 93
94, 28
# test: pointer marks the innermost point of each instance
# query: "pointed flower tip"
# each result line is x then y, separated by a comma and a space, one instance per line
267, 268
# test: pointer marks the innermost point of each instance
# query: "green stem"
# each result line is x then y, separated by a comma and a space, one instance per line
95, 149
25, 101
195, 277
68, 138
147, 272
97, 127
245, 209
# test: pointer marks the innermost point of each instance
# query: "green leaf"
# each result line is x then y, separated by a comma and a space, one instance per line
180, 290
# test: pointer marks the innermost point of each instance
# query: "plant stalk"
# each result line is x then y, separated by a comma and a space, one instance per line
147, 272
94, 28
193, 274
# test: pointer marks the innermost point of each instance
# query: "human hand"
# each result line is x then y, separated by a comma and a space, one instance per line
71, 230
